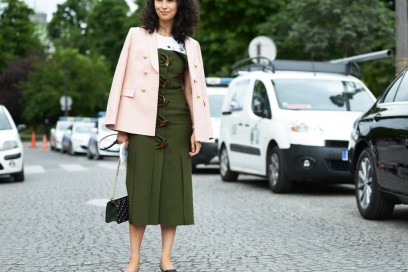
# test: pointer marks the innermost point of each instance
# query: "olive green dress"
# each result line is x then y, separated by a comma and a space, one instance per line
159, 179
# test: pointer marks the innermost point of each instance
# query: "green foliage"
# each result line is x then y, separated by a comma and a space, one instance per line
87, 77
107, 33
16, 31
325, 29
226, 29
69, 24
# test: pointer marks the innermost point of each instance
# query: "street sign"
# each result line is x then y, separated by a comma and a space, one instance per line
262, 46
65, 102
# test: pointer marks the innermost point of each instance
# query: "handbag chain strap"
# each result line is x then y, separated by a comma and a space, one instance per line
116, 178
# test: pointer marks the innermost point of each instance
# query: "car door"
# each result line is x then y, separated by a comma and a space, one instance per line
233, 129
389, 137
257, 118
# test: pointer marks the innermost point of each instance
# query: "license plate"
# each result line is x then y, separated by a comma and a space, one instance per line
344, 155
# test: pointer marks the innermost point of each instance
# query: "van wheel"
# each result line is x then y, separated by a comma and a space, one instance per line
370, 201
225, 171
277, 178
19, 176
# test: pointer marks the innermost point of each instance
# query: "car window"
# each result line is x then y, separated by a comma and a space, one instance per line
260, 102
4, 122
238, 93
216, 101
333, 95
402, 92
62, 126
392, 90
83, 129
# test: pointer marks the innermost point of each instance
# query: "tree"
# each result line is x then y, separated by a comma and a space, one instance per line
226, 30
16, 31
69, 24
88, 81
107, 33
324, 30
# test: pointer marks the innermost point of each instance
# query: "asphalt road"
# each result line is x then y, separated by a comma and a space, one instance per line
54, 221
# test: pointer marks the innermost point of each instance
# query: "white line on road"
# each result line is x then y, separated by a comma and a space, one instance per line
73, 167
33, 169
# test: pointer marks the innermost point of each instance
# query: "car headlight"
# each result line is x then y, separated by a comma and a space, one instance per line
7, 145
305, 128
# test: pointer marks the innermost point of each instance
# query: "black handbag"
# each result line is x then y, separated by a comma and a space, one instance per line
117, 209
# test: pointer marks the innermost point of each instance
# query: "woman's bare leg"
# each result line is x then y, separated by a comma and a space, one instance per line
168, 235
136, 235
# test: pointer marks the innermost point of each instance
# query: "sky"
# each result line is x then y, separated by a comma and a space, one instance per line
50, 6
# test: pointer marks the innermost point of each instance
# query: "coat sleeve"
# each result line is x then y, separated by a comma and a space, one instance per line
117, 84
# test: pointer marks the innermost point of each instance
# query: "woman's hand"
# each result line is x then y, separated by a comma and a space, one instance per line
123, 137
195, 146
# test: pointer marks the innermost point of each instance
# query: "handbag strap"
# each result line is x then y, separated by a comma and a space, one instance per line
116, 178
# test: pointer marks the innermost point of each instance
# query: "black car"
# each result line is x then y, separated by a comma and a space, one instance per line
378, 152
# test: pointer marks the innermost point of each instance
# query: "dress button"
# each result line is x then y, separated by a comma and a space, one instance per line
198, 96
196, 65
145, 56
167, 62
164, 83
142, 90
195, 80
145, 72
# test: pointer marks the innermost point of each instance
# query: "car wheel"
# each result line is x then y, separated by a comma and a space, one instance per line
71, 150
277, 178
19, 176
371, 202
89, 154
97, 155
225, 171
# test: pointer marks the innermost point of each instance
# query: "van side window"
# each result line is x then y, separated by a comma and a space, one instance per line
260, 101
238, 94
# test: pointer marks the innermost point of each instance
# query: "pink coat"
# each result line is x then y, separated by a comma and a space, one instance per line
133, 98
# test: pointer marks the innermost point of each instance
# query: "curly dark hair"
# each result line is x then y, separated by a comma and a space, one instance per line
186, 20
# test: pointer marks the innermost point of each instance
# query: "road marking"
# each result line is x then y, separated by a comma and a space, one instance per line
99, 202
107, 165
73, 167
33, 169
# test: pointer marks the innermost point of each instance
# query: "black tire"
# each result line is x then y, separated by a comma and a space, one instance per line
225, 170
277, 178
371, 202
19, 176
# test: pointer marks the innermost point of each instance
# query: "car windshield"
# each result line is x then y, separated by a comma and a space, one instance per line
215, 104
62, 126
332, 95
4, 122
83, 128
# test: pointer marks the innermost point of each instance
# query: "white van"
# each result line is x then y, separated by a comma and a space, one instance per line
290, 125
11, 148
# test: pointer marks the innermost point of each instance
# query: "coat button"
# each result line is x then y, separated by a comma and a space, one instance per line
145, 56
142, 90
198, 96
196, 65
145, 72
195, 80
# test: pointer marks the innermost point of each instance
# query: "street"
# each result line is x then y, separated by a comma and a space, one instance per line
54, 221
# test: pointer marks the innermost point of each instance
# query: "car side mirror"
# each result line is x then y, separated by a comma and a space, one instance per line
21, 127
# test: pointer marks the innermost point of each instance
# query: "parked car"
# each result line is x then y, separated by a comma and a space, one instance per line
76, 137
217, 88
96, 135
11, 148
378, 152
58, 132
291, 122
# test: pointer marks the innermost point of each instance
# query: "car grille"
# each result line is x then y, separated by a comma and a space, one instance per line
332, 143
338, 165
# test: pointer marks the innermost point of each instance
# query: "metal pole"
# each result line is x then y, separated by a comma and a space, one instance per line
401, 60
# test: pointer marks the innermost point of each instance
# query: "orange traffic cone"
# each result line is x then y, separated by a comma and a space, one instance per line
33, 140
44, 143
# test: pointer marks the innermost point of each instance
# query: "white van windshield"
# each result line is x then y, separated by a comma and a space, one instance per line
333, 95
4, 122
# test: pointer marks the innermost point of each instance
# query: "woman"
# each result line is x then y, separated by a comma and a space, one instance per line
159, 106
